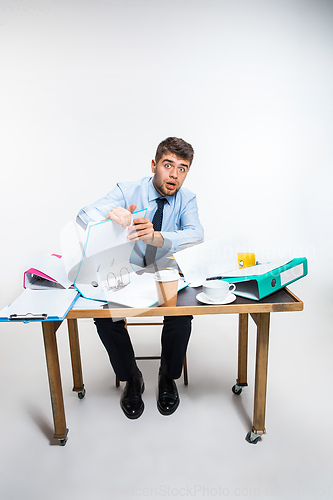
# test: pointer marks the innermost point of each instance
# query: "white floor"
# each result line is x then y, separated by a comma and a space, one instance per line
200, 451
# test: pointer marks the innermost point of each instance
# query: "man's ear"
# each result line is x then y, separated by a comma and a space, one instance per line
153, 166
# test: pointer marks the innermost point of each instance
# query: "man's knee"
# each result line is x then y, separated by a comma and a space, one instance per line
107, 325
178, 320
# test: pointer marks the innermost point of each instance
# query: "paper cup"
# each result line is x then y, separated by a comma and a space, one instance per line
167, 287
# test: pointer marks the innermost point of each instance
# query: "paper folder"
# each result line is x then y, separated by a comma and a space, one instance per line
46, 271
259, 281
106, 272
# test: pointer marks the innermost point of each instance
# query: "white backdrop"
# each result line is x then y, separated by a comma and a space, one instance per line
90, 87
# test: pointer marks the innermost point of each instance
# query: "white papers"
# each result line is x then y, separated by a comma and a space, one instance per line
140, 292
256, 270
39, 305
82, 303
212, 258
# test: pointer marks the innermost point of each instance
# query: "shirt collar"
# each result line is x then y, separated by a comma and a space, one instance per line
153, 194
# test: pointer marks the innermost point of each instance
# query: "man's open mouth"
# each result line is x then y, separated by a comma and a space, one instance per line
170, 185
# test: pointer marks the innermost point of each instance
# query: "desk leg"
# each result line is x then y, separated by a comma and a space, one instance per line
258, 429
74, 344
242, 353
53, 370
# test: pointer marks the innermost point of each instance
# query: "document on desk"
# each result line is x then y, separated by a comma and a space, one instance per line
86, 304
139, 292
256, 270
211, 258
40, 305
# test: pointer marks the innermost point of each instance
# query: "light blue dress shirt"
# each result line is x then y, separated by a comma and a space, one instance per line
181, 225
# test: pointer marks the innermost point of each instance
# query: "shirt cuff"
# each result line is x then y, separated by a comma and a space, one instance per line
173, 237
83, 218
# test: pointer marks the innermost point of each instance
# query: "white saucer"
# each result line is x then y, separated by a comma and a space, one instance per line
201, 297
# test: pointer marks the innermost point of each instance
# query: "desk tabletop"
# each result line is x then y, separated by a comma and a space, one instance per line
280, 301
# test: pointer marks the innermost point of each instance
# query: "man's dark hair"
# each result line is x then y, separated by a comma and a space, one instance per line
175, 146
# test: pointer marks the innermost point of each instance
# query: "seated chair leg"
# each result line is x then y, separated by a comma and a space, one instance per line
185, 371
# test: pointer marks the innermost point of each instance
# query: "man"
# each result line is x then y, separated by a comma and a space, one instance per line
171, 215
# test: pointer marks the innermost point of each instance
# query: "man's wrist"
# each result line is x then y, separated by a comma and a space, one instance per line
158, 239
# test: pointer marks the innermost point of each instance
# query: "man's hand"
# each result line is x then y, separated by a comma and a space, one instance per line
143, 230
121, 215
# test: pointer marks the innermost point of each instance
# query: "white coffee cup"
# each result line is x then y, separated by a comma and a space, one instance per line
217, 290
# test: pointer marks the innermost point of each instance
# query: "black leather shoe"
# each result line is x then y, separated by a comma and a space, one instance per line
131, 401
168, 398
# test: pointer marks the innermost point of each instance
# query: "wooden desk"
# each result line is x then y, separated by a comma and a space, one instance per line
281, 301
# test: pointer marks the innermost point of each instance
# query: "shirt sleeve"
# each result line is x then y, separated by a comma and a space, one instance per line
190, 231
96, 212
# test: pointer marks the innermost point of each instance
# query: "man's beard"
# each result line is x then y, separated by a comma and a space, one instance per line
162, 189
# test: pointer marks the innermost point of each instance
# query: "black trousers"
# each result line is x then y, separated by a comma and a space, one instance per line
175, 336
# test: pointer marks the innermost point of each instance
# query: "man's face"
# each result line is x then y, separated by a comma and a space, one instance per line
169, 174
